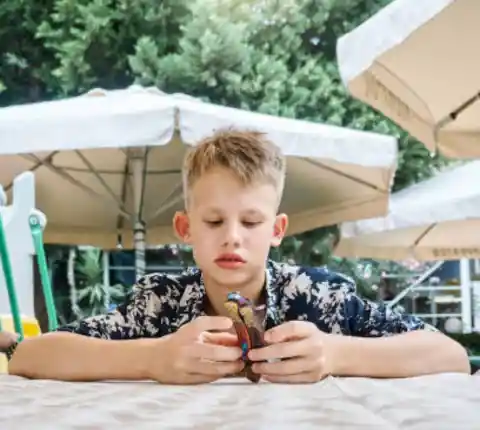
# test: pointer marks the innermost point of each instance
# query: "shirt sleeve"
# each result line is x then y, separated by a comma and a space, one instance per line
336, 307
361, 317
137, 317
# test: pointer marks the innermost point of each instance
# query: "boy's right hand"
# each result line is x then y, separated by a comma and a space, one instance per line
194, 355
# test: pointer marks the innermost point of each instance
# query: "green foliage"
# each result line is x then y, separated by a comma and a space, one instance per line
64, 47
88, 293
24, 62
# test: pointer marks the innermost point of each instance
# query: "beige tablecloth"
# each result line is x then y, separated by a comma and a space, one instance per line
445, 402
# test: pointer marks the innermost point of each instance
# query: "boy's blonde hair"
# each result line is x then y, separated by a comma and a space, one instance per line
249, 155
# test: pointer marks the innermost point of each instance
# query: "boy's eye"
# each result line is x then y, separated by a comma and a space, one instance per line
214, 223
250, 224
217, 223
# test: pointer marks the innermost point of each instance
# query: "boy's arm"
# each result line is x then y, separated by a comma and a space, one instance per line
388, 344
101, 347
73, 357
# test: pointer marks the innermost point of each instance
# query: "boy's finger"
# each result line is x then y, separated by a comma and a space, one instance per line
225, 339
211, 352
206, 323
289, 331
282, 350
289, 367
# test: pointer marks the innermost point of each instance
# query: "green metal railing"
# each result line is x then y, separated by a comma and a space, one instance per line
37, 222
9, 281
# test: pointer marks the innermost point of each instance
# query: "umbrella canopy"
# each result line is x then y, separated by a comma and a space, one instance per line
108, 164
438, 219
416, 62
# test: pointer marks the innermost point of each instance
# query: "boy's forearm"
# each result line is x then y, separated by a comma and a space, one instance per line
404, 355
71, 357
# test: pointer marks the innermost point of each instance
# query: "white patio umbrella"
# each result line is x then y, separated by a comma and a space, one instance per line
107, 164
417, 62
438, 219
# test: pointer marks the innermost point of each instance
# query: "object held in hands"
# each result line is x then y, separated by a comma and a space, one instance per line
247, 320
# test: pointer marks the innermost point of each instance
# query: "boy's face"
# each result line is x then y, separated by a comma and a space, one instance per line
231, 228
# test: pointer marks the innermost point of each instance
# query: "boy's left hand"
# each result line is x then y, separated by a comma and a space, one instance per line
303, 349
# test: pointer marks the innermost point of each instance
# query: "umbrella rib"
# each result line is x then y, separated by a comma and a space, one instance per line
340, 173
422, 236
91, 169
48, 164
32, 169
166, 204
453, 115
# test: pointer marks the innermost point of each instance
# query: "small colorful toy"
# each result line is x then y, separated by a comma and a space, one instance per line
247, 320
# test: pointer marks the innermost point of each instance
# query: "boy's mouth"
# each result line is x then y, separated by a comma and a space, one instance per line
230, 261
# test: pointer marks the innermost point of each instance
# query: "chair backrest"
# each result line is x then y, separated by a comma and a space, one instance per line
21, 238
16, 261
20, 245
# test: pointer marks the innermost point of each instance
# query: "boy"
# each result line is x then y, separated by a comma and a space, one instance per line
174, 330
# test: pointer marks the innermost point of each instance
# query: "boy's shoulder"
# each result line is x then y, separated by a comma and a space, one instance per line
165, 284
286, 275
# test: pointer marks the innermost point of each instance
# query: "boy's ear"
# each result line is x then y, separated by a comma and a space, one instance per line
181, 226
279, 229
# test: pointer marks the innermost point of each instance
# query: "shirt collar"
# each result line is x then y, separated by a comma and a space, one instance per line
191, 304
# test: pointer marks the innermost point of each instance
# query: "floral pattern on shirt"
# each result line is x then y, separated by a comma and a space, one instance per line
161, 303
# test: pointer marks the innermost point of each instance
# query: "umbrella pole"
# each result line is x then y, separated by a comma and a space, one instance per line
139, 241
138, 163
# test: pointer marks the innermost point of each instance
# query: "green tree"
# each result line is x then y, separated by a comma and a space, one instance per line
63, 47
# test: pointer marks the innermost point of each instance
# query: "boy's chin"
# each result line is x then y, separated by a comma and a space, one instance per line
231, 279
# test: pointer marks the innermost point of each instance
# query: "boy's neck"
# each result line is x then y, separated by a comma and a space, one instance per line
214, 305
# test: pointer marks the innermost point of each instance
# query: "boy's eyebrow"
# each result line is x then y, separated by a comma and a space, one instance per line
219, 211
213, 210
253, 212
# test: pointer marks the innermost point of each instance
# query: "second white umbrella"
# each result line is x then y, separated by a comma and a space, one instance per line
438, 219
417, 62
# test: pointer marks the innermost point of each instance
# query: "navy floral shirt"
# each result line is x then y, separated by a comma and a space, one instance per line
161, 303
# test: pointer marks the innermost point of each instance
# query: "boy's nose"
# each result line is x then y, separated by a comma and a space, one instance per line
233, 235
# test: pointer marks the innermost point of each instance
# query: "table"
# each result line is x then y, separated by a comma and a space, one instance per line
441, 402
